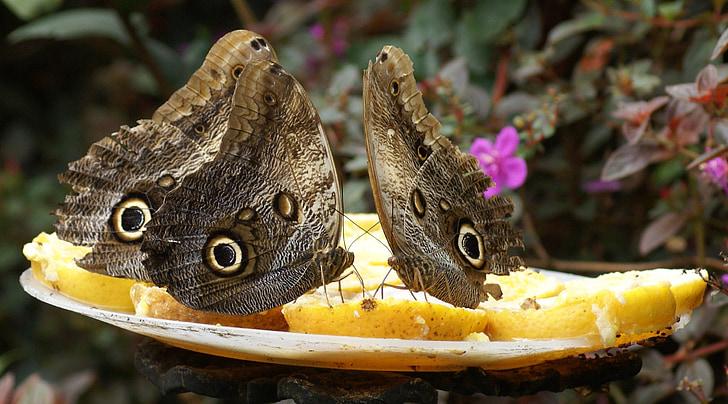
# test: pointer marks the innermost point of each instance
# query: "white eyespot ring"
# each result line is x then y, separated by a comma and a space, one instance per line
226, 256
394, 88
470, 245
129, 218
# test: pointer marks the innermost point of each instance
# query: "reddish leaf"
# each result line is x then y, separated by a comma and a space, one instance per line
682, 91
34, 390
631, 158
690, 127
707, 79
721, 46
6, 387
75, 385
637, 116
661, 229
633, 131
720, 131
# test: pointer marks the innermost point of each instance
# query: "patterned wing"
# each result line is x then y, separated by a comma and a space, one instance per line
258, 226
444, 235
122, 180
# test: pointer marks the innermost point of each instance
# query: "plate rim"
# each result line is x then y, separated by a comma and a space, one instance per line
41, 292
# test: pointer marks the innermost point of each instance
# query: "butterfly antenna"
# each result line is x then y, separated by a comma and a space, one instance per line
364, 292
366, 231
323, 282
381, 285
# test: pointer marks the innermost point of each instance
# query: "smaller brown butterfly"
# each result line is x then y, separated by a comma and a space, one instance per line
445, 236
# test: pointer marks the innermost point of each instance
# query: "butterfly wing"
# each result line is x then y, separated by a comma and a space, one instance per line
258, 226
444, 234
123, 178
202, 106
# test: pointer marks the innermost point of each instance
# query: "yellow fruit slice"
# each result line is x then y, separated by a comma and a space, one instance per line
687, 286
392, 317
527, 284
153, 301
53, 262
612, 309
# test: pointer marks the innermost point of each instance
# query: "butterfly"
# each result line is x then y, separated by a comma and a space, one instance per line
444, 235
123, 179
259, 225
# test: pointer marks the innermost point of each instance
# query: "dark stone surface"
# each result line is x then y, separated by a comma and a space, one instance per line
175, 370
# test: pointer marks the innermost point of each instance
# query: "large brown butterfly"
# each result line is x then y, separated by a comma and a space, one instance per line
258, 226
124, 178
445, 236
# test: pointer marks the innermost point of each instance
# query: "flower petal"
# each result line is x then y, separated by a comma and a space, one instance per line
507, 141
492, 191
481, 146
514, 172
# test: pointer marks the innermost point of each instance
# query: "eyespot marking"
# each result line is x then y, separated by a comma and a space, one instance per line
285, 205
262, 42
276, 69
419, 206
246, 215
394, 88
236, 71
129, 218
444, 205
470, 245
199, 129
225, 255
254, 43
166, 181
423, 152
269, 99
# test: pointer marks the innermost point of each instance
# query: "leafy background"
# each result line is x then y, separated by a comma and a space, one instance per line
612, 183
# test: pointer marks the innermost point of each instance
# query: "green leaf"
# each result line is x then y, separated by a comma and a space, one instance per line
467, 45
698, 53
667, 172
670, 10
29, 9
491, 17
72, 24
430, 25
578, 25
528, 30
168, 60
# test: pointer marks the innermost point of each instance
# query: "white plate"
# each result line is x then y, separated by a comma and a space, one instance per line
321, 350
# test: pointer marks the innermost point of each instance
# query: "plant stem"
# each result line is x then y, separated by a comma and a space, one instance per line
684, 356
603, 266
245, 14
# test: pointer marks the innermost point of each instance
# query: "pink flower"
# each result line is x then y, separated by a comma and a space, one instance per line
716, 171
499, 161
317, 31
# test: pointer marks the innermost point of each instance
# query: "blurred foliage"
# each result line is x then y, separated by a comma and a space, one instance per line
617, 154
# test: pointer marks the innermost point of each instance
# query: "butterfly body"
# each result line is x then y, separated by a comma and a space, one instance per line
445, 236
